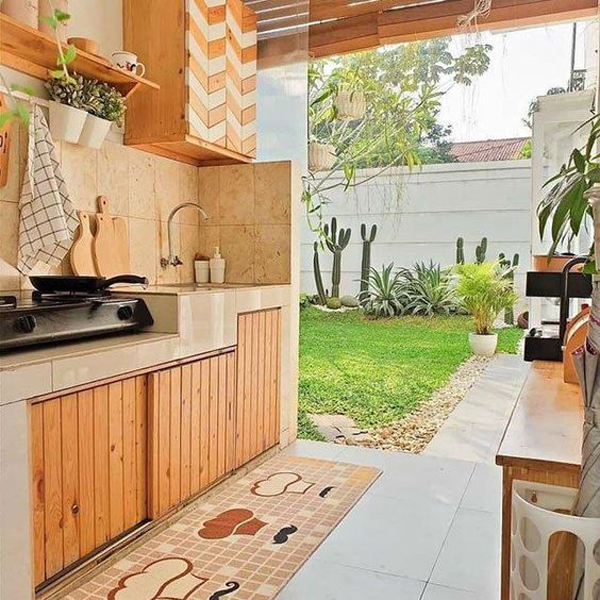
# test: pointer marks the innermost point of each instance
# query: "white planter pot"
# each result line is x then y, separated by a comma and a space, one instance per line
94, 131
202, 270
350, 105
66, 122
321, 157
483, 345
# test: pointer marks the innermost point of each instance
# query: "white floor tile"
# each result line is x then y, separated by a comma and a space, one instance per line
311, 449
484, 491
319, 580
397, 537
470, 558
438, 592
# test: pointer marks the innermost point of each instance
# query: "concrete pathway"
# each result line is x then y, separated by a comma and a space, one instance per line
429, 528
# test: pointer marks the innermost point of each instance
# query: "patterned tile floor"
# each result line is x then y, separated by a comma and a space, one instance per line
246, 542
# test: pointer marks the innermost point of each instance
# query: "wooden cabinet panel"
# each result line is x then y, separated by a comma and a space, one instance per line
191, 429
257, 402
88, 468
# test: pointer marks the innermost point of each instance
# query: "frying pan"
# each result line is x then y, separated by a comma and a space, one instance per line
80, 284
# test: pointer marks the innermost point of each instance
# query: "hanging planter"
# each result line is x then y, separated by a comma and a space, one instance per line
66, 122
94, 131
321, 157
350, 104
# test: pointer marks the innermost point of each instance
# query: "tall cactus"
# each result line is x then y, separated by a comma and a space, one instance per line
509, 315
336, 243
460, 251
366, 258
481, 251
318, 279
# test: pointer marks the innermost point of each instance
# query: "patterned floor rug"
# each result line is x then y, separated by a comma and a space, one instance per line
245, 542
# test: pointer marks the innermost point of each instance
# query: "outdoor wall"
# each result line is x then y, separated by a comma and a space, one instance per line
420, 215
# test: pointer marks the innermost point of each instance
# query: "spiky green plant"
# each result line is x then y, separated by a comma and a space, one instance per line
481, 251
381, 297
318, 278
336, 244
428, 290
366, 255
484, 291
460, 251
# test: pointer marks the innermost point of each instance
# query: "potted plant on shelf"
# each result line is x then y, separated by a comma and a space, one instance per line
67, 107
105, 106
484, 291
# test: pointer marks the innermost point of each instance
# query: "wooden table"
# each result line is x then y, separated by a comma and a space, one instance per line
541, 443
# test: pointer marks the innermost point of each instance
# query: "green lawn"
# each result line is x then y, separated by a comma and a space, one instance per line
377, 371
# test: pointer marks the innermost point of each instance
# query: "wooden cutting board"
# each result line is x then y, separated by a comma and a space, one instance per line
111, 243
82, 257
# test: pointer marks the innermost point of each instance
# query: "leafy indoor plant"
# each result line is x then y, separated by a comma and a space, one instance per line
105, 106
67, 107
565, 204
484, 290
381, 299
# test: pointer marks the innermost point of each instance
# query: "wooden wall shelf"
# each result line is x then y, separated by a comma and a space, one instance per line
191, 150
32, 52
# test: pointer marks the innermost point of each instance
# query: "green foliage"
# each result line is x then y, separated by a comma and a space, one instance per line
526, 149
376, 371
317, 272
427, 290
380, 299
484, 290
509, 268
565, 205
112, 104
303, 301
460, 251
481, 251
366, 255
68, 91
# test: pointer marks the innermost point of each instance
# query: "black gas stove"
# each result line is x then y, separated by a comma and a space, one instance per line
44, 318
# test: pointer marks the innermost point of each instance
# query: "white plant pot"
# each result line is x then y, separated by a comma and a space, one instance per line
483, 345
94, 131
350, 104
66, 122
321, 157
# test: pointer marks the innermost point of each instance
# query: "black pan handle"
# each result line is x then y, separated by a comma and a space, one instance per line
133, 279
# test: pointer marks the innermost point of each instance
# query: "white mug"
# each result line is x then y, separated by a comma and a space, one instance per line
128, 61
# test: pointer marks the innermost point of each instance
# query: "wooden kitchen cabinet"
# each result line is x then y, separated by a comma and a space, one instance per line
192, 431
204, 58
258, 378
88, 457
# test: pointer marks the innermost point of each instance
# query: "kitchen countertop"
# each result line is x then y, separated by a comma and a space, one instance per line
189, 320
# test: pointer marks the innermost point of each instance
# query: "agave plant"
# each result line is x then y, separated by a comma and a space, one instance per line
427, 290
380, 299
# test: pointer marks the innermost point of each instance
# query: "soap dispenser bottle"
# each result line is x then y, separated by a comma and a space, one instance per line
217, 267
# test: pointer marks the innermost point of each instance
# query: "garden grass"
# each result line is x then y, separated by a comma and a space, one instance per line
376, 371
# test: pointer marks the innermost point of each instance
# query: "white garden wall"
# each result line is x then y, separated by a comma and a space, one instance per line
420, 215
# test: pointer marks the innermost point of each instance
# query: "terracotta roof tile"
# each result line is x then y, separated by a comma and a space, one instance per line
489, 150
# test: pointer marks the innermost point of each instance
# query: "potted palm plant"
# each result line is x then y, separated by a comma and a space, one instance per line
484, 291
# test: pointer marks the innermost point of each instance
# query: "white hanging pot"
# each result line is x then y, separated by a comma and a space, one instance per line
66, 122
350, 104
483, 345
94, 131
321, 157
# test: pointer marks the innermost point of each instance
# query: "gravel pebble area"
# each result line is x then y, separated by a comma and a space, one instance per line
413, 432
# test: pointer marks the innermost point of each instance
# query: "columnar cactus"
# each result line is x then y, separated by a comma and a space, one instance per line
509, 316
336, 243
480, 251
366, 258
318, 279
460, 251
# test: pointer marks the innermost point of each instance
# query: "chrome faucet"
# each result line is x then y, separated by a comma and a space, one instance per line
173, 259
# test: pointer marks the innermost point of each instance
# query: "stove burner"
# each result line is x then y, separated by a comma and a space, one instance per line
8, 302
66, 297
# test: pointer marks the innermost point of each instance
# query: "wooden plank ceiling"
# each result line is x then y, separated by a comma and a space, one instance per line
338, 26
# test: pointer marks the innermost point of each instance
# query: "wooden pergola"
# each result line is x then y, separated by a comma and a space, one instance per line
340, 26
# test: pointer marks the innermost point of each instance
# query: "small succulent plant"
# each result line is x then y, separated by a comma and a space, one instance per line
67, 91
113, 104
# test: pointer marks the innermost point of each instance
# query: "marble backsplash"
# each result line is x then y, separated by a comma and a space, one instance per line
248, 205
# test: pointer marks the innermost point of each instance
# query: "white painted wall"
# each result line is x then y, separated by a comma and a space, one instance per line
420, 215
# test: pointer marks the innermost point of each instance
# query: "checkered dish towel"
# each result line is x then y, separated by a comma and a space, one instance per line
47, 218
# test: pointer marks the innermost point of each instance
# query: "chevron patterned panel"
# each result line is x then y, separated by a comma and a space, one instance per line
221, 73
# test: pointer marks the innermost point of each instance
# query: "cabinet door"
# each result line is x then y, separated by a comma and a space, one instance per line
258, 373
88, 456
192, 432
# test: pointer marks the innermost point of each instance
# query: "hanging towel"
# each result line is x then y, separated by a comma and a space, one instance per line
47, 218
